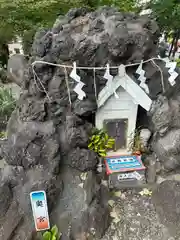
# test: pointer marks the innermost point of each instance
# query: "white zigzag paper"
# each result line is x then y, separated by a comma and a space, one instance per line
79, 91
78, 88
109, 78
172, 78
142, 78
172, 72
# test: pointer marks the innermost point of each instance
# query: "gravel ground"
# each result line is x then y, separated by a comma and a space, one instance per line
136, 219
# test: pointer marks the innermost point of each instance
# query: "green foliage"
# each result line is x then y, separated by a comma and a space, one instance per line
167, 13
3, 75
27, 40
7, 102
100, 142
53, 234
4, 54
19, 16
123, 5
178, 62
135, 144
3, 135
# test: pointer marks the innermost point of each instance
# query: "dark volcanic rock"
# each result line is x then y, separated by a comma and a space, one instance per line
42, 43
77, 211
27, 146
166, 200
32, 109
167, 149
6, 198
15, 69
37, 179
94, 222
161, 115
15, 199
12, 175
11, 221
77, 136
73, 133
99, 219
92, 39
165, 119
47, 145
82, 159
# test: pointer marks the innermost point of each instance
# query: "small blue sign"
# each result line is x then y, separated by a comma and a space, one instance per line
123, 164
40, 210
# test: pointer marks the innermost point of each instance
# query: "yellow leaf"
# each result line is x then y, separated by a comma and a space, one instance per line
81, 185
90, 145
93, 137
145, 192
111, 140
111, 203
83, 176
141, 193
102, 151
96, 141
115, 216
109, 146
116, 220
117, 194
106, 136
102, 154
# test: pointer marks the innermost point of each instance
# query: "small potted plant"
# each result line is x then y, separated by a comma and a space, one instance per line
136, 146
52, 234
100, 143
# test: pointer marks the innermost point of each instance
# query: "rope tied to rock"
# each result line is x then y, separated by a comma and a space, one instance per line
152, 60
91, 68
95, 86
40, 82
162, 77
67, 85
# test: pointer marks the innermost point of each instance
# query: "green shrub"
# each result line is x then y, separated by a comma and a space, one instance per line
178, 62
3, 135
100, 142
3, 75
52, 234
136, 143
7, 102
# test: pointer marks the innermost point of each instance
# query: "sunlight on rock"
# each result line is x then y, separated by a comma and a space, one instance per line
81, 185
111, 203
117, 194
145, 192
83, 176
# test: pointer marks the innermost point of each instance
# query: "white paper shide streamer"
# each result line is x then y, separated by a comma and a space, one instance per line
111, 84
109, 78
78, 88
172, 72
142, 78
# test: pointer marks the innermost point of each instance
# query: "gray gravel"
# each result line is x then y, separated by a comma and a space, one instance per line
138, 220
